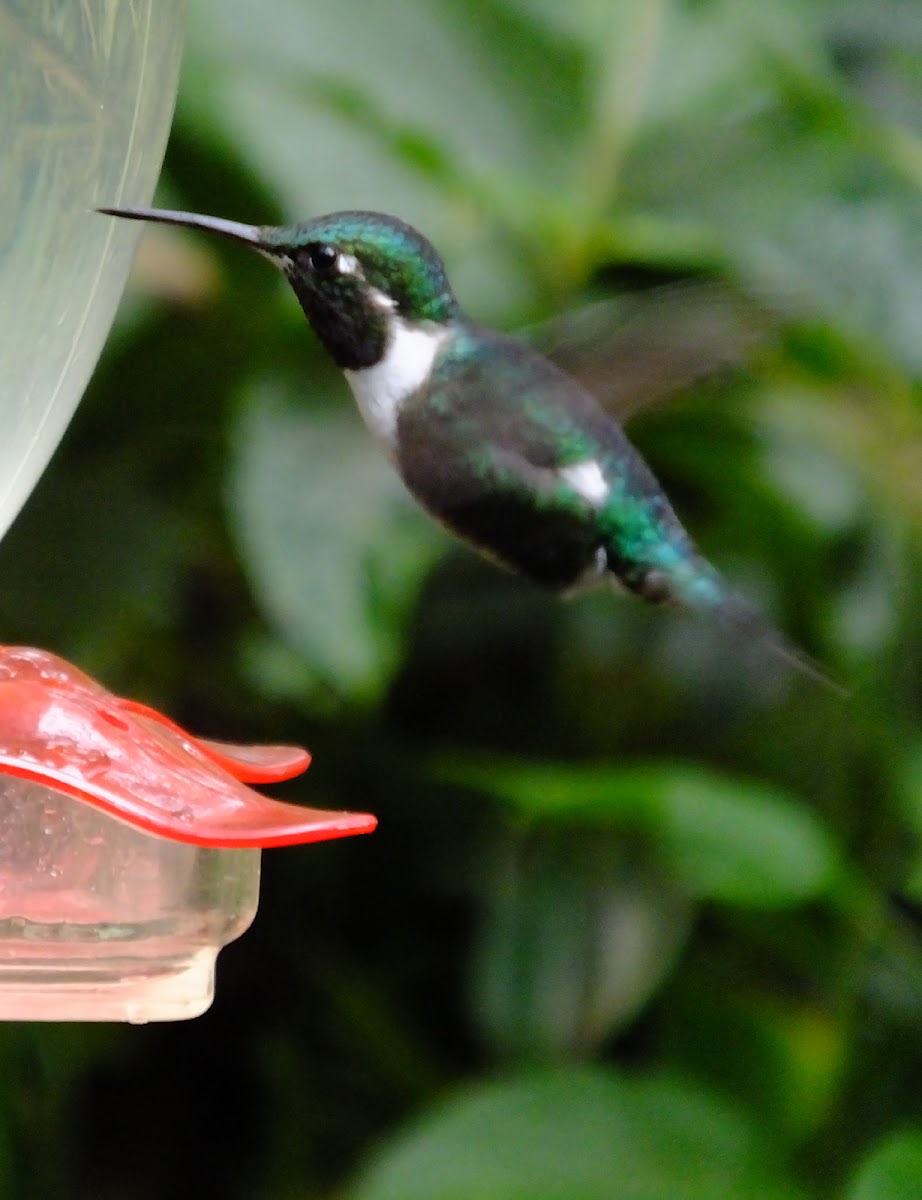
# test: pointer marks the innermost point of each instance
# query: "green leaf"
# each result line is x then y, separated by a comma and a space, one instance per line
469, 89
781, 1055
741, 842
579, 930
730, 840
717, 60
320, 101
576, 1135
804, 238
892, 1171
334, 549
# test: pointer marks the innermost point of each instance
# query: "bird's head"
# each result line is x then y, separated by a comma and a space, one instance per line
353, 272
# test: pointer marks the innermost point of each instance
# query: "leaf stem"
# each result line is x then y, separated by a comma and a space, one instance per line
627, 59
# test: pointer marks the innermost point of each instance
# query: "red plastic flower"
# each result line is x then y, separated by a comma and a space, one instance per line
60, 728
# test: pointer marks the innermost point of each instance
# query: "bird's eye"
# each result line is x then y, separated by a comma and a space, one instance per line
322, 257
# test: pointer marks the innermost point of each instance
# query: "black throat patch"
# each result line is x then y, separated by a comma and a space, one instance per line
351, 326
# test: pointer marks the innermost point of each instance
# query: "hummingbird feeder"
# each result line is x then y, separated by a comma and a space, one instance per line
129, 849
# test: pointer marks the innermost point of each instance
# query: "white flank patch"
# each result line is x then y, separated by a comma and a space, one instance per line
587, 480
380, 390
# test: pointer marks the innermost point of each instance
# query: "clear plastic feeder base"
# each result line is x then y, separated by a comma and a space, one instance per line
100, 918
100, 921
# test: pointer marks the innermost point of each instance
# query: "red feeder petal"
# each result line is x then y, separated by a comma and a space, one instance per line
61, 728
249, 764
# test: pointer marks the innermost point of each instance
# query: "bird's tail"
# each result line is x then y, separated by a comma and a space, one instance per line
702, 589
746, 622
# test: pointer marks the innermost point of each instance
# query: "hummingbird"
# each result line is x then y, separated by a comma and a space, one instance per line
501, 447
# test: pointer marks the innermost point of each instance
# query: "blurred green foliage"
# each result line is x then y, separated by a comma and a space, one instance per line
642, 918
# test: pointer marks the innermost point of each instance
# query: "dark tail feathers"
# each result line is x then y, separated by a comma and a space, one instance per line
746, 622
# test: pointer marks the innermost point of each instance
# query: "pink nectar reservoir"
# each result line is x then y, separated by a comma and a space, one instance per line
129, 849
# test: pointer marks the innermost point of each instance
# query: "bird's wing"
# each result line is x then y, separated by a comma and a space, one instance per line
639, 349
495, 391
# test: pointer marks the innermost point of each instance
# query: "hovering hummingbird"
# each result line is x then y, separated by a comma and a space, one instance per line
507, 451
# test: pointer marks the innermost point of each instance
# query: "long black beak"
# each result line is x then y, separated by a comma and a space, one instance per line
235, 231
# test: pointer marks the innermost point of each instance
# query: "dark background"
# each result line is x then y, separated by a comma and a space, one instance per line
641, 917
